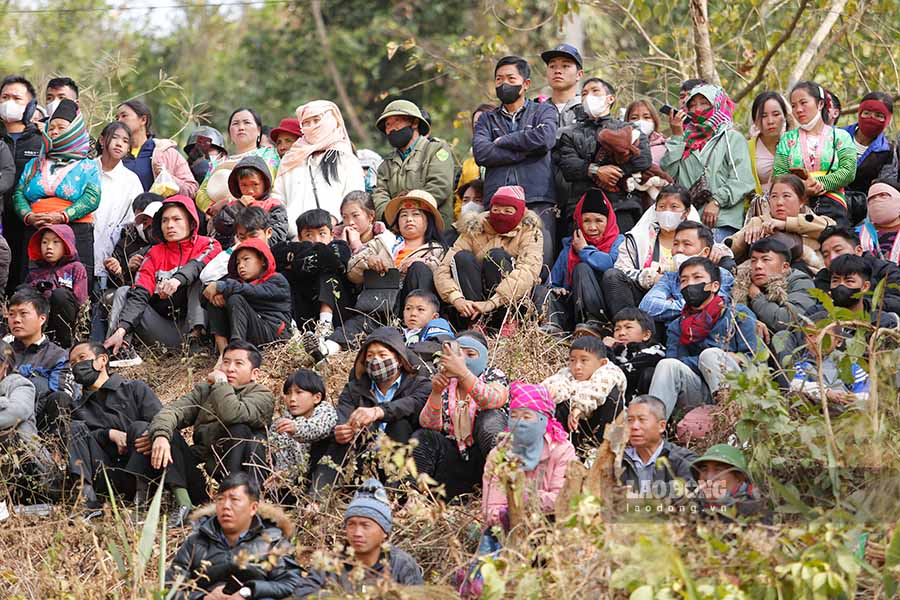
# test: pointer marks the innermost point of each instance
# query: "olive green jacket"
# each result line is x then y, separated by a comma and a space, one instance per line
429, 167
212, 408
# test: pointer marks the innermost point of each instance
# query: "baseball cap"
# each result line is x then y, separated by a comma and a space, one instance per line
564, 50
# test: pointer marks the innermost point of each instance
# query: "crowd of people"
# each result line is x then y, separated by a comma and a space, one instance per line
664, 262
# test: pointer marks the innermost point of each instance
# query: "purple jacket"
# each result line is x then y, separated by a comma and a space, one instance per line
67, 273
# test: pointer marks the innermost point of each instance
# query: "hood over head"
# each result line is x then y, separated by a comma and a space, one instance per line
262, 248
184, 202
255, 162
63, 231
386, 336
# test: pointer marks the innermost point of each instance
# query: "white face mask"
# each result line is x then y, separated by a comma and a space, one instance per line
595, 106
678, 260
52, 106
668, 220
469, 208
11, 111
812, 122
645, 126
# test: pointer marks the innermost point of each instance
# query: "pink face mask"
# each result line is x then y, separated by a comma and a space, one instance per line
321, 130
883, 210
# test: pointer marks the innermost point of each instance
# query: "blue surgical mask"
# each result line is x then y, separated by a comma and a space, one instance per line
528, 440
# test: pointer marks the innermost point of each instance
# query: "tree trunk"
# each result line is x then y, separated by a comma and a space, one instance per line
706, 63
825, 27
359, 131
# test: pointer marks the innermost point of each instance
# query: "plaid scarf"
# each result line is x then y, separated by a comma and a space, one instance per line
703, 125
696, 325
72, 144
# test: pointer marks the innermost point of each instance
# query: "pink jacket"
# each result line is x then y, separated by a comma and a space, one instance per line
550, 474
166, 154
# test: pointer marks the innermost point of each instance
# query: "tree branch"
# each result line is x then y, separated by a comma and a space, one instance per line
837, 7
770, 54
703, 54
361, 133
643, 32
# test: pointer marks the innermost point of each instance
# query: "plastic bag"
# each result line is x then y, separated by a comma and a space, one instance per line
165, 184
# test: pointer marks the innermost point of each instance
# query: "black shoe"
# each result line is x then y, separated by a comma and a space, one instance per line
198, 345
127, 356
178, 517
314, 346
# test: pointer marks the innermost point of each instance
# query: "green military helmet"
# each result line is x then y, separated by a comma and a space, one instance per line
403, 108
725, 454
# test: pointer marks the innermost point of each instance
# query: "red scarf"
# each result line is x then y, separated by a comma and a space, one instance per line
696, 325
603, 243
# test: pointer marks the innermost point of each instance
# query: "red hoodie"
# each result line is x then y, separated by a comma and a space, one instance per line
269, 295
68, 272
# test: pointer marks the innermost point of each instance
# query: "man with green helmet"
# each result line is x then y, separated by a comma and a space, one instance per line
724, 481
419, 162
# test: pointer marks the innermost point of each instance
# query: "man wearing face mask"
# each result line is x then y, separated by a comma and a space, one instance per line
585, 163
419, 162
513, 144
59, 89
664, 302
384, 393
23, 138
708, 339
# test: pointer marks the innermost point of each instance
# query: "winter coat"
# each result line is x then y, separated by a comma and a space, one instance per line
159, 153
211, 409
807, 225
28, 146
385, 246
586, 396
548, 477
525, 243
269, 295
728, 172
679, 466
262, 559
517, 150
8, 177
409, 399
735, 332
182, 260
46, 365
637, 360
664, 302
394, 564
577, 150
17, 407
127, 406
877, 162
223, 222
429, 166
301, 261
598, 260
67, 273
783, 301
881, 269
304, 187
130, 244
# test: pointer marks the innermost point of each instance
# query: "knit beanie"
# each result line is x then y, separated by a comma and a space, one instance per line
595, 202
371, 501
507, 195
67, 110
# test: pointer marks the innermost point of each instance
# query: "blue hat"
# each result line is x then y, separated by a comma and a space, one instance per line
371, 501
565, 50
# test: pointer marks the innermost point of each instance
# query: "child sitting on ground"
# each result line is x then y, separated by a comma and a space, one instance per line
634, 349
249, 222
253, 303
359, 225
305, 426
59, 276
589, 393
316, 267
250, 182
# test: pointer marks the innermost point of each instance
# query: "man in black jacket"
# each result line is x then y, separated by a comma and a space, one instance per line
240, 549
836, 241
587, 163
384, 393
17, 105
648, 476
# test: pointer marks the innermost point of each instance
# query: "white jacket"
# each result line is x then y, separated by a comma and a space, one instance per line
295, 187
118, 188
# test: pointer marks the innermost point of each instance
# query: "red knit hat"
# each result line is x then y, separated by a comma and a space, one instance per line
290, 126
507, 195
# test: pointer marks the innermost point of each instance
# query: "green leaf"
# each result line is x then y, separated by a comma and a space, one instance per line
891, 560
494, 586
148, 534
645, 592
117, 557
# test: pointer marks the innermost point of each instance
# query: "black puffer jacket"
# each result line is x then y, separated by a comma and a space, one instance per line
410, 398
261, 561
881, 269
269, 295
577, 149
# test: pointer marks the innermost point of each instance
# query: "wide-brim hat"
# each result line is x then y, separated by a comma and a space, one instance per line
413, 199
403, 108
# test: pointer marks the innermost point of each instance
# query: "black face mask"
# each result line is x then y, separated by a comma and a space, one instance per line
84, 373
399, 138
507, 94
695, 294
843, 296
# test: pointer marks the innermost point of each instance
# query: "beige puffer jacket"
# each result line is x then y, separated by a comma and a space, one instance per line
381, 245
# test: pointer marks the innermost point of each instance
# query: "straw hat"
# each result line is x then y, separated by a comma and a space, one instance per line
413, 199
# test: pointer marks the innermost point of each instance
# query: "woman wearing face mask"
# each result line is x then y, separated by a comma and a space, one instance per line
822, 155
245, 132
575, 294
320, 168
878, 232
462, 417
472, 203
708, 157
642, 115
537, 445
769, 113
62, 185
384, 393
585, 165
876, 158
